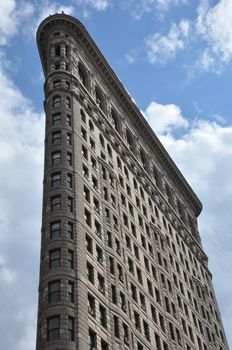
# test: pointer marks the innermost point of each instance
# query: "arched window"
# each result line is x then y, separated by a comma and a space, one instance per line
82, 74
102, 140
68, 102
99, 98
56, 101
91, 126
156, 176
129, 138
143, 158
115, 120
57, 50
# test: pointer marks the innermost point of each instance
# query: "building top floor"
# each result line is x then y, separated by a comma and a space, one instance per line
65, 44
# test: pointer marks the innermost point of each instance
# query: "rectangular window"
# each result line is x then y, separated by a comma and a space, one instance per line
56, 202
56, 179
70, 180
116, 327
70, 230
70, 259
68, 120
70, 204
56, 137
56, 119
90, 272
56, 158
69, 139
69, 158
102, 316
55, 229
92, 340
89, 244
53, 328
70, 328
54, 291
91, 305
71, 292
54, 258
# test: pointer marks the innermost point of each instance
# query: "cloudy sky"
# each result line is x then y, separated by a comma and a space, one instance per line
175, 59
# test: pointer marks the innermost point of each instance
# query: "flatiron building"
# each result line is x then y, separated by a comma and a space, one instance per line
122, 264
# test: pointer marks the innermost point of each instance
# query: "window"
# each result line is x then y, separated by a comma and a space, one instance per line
91, 126
56, 138
57, 50
104, 345
55, 202
82, 74
89, 244
92, 143
69, 158
71, 292
92, 339
70, 204
115, 121
54, 291
85, 171
69, 180
101, 283
70, 259
146, 330
114, 294
56, 101
84, 152
56, 83
70, 230
137, 321
70, 328
88, 218
56, 158
54, 258
109, 150
68, 102
99, 98
68, 120
116, 327
90, 272
143, 158
56, 119
69, 139
111, 261
99, 253
56, 179
53, 328
91, 304
102, 316
55, 229
134, 292
130, 139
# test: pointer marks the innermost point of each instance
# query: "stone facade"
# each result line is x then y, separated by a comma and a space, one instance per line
122, 265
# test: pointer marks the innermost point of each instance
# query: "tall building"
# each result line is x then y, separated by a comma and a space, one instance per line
122, 265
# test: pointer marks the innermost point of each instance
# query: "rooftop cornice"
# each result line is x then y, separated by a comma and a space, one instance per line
124, 97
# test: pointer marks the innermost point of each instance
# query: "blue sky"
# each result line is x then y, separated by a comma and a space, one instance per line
175, 59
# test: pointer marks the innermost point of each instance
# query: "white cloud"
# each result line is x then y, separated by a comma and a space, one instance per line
164, 118
100, 5
214, 26
12, 14
139, 7
21, 161
161, 49
204, 155
166, 4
